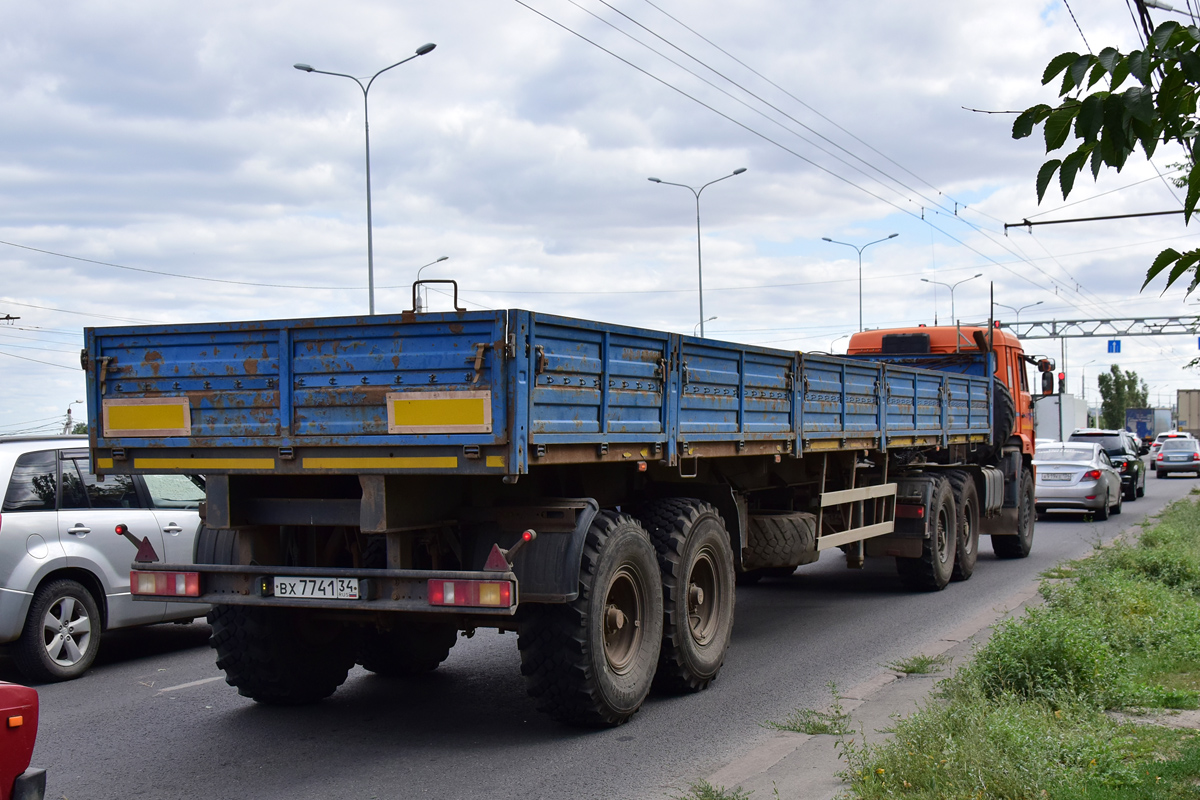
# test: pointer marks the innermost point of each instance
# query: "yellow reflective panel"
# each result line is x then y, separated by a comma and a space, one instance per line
439, 412
489, 594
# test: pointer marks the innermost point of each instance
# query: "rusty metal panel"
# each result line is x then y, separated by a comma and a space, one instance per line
733, 391
596, 383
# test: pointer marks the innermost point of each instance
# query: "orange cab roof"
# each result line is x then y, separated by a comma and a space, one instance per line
941, 338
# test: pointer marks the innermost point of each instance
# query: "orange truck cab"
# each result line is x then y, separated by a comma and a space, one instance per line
961, 348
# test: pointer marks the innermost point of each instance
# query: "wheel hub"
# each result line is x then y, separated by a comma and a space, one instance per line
624, 609
702, 597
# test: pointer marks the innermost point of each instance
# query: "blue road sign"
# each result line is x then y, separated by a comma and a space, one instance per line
1114, 345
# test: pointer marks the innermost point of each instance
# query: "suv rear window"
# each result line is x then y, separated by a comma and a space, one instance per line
33, 486
1113, 444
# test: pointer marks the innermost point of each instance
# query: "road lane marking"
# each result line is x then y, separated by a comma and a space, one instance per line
190, 685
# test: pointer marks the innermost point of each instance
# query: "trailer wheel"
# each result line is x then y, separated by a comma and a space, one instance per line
1019, 545
407, 649
966, 498
698, 595
932, 571
277, 656
592, 661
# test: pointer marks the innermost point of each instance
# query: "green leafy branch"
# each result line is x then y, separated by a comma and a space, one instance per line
1108, 125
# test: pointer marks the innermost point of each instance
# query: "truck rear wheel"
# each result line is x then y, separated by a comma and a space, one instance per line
696, 561
1019, 545
592, 661
409, 648
278, 656
932, 571
966, 499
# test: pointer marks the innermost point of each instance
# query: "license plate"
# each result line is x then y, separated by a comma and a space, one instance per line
317, 588
1056, 476
1178, 458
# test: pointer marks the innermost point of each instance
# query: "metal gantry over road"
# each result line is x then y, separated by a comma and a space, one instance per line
1123, 326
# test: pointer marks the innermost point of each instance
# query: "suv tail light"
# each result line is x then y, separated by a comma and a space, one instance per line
1158, 457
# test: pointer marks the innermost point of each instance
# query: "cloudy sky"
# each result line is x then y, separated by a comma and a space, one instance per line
163, 162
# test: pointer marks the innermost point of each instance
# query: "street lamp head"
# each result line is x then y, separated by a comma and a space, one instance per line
654, 180
893, 236
440, 260
739, 170
303, 67
926, 280
977, 275
826, 239
425, 48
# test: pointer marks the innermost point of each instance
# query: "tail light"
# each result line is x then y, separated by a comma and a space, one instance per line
165, 584
1093, 474
1195, 456
1124, 466
1158, 457
496, 594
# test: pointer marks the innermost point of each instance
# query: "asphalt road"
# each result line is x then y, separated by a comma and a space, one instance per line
154, 718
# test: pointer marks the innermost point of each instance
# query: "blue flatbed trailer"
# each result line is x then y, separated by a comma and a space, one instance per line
377, 484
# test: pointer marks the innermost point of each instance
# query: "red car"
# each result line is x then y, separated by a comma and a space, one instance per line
18, 731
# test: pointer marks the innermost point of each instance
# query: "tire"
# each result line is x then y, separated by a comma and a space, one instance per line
1158, 473
584, 664
411, 648
696, 561
274, 656
1131, 494
933, 570
1004, 414
277, 656
1020, 544
966, 500
1102, 512
1120, 501
778, 539
1141, 489
61, 635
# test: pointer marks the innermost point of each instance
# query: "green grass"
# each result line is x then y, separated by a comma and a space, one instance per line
919, 664
703, 790
835, 721
1025, 719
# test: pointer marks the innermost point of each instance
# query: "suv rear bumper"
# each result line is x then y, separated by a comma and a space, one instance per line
14, 606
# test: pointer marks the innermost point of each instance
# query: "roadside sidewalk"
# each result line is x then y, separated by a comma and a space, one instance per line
796, 766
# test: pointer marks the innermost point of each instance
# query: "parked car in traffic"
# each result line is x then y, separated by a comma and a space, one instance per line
1178, 455
1121, 447
64, 572
18, 732
1076, 476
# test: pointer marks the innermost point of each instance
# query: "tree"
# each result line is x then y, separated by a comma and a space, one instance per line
1109, 125
79, 427
1119, 391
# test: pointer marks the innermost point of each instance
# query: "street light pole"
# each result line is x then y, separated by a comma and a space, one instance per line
422, 50
698, 324
699, 262
1017, 311
417, 301
860, 249
951, 287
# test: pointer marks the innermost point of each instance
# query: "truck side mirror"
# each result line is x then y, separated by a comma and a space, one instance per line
1047, 383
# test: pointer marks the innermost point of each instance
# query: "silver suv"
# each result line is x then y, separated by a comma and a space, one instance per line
64, 572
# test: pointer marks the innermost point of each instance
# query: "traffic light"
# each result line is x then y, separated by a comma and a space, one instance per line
1062, 383
1045, 366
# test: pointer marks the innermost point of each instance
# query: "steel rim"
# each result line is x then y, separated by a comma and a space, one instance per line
624, 610
943, 536
968, 543
703, 597
66, 631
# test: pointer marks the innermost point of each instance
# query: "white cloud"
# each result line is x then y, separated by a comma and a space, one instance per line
177, 138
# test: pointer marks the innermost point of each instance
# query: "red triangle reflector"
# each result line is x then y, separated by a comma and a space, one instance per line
496, 561
145, 552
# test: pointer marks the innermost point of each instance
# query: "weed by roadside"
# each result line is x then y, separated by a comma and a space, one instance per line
703, 790
1026, 717
919, 664
835, 721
